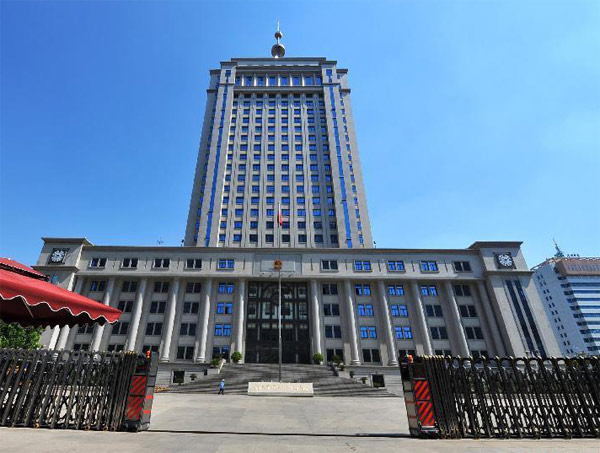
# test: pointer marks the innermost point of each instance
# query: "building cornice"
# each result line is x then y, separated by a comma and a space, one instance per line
83, 240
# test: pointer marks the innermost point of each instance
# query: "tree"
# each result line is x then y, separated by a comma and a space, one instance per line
14, 335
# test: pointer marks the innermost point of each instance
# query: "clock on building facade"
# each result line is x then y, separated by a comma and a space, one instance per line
58, 256
505, 260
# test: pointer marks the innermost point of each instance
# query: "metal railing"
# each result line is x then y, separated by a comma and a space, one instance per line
65, 389
514, 397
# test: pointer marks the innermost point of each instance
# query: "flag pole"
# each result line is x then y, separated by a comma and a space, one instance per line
279, 221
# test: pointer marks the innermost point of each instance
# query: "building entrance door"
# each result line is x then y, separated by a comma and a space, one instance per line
262, 335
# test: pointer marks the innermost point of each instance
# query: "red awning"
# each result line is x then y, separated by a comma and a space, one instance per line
32, 301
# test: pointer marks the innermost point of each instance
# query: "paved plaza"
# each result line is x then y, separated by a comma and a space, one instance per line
207, 423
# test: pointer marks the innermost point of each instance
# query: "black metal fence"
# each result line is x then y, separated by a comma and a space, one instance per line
65, 389
514, 397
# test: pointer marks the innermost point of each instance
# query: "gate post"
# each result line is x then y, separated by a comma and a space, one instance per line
417, 397
141, 394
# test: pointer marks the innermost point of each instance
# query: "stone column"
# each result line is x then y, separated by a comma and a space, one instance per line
491, 320
61, 342
355, 358
54, 337
421, 321
239, 319
203, 331
136, 315
463, 345
97, 335
387, 321
316, 313
169, 321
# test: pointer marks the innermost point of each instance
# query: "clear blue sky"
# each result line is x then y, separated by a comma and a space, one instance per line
485, 126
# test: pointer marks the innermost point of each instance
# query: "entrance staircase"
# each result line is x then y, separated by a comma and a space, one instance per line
325, 383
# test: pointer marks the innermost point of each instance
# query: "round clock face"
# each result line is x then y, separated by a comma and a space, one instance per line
57, 256
505, 260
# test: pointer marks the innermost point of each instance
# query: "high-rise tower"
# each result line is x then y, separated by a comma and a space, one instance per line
278, 132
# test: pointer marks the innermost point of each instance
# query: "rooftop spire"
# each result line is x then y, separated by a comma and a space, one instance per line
278, 49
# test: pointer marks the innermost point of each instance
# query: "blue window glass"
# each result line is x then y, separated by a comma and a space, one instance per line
407, 332
364, 332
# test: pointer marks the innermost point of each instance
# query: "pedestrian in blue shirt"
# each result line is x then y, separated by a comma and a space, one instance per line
221, 387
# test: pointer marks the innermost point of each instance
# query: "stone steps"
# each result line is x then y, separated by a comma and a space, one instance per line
325, 383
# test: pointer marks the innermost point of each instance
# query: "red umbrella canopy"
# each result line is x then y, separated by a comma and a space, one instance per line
28, 299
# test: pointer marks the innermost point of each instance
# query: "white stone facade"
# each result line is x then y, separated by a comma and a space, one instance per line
453, 308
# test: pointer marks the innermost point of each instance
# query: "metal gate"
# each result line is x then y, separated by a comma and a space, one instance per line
65, 389
504, 397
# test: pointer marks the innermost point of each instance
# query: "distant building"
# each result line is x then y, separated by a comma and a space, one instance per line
569, 287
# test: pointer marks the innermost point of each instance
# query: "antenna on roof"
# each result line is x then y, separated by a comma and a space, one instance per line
559, 253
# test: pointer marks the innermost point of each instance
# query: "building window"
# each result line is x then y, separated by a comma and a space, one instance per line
474, 333
98, 285
329, 265
439, 333
429, 290
362, 266
331, 353
190, 308
187, 329
115, 348
226, 264
81, 346
395, 266
331, 309
333, 331
399, 310
129, 263
462, 266
467, 311
462, 290
368, 332
396, 290
434, 311
429, 266
193, 263
98, 262
365, 309
120, 328
162, 263
154, 328
362, 290
185, 352
157, 307
330, 289
125, 306
226, 288
161, 287
222, 330
193, 287
371, 355
224, 308
403, 332
129, 287
85, 329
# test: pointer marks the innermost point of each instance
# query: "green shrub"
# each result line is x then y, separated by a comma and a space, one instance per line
214, 363
318, 358
193, 376
352, 373
236, 356
363, 379
336, 359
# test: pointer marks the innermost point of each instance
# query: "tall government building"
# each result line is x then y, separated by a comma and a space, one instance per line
278, 177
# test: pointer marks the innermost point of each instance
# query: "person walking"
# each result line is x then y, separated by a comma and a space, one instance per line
221, 387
